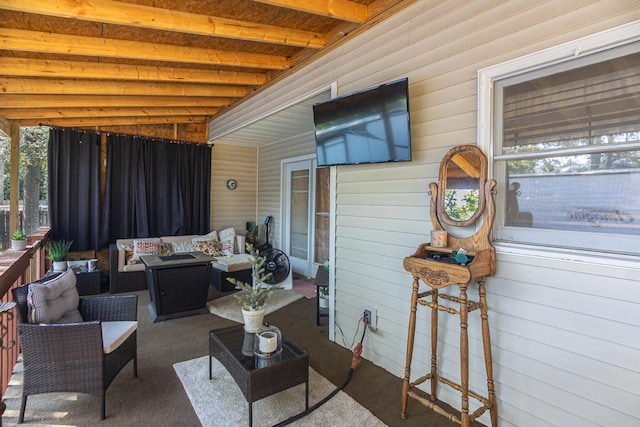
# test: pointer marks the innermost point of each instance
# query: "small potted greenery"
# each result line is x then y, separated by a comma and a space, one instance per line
18, 240
253, 297
58, 251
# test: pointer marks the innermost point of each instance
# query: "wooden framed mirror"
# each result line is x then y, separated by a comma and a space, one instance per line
462, 178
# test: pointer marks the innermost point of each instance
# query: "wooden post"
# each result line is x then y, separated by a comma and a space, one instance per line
14, 178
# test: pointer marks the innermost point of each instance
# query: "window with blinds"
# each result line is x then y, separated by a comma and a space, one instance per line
567, 148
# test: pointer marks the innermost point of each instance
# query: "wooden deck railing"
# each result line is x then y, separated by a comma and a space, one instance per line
17, 268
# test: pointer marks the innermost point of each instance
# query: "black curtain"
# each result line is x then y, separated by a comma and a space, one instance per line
155, 188
74, 187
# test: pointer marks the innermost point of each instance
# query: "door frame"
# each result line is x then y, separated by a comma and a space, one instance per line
284, 213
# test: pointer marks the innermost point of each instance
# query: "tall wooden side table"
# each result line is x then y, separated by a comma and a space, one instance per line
455, 262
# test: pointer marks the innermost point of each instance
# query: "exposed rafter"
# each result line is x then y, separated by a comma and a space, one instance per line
340, 9
99, 87
83, 101
135, 15
115, 121
36, 41
100, 70
75, 112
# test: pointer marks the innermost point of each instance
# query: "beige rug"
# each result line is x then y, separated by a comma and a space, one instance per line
229, 307
220, 403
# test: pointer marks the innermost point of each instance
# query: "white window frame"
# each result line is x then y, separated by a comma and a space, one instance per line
581, 48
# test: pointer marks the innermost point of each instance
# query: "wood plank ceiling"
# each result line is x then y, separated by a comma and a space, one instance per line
143, 65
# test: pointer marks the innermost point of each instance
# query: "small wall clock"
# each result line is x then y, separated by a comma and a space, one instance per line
232, 184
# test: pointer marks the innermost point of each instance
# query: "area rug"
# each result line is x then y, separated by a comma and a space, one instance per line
305, 288
219, 402
229, 307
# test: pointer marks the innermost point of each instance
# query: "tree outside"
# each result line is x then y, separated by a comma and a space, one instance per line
32, 181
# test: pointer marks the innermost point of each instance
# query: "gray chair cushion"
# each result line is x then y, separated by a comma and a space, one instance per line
54, 300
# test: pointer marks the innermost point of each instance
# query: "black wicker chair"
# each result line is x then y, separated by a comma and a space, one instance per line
69, 357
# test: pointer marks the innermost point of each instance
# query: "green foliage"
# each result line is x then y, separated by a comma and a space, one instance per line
34, 141
18, 235
464, 209
59, 249
254, 296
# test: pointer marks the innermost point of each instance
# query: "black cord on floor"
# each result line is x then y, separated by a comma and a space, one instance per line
354, 363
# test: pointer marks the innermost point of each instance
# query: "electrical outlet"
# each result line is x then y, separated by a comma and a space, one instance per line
372, 316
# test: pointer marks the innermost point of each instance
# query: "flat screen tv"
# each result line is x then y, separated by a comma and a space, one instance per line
370, 126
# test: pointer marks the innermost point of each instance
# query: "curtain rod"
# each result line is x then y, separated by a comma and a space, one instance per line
171, 141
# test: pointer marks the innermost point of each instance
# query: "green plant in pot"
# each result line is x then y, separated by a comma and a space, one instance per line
18, 240
58, 251
253, 297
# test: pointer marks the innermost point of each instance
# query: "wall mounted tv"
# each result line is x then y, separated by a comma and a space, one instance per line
370, 126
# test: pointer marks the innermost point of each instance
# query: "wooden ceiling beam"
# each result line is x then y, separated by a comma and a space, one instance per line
114, 121
130, 14
35, 41
339, 9
83, 101
100, 70
101, 87
68, 113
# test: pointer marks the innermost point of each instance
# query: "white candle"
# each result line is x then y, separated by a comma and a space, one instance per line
268, 342
438, 238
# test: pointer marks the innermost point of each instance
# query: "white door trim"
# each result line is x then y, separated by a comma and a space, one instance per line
284, 214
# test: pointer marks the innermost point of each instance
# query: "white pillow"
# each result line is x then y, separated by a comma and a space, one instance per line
207, 237
228, 240
145, 247
180, 247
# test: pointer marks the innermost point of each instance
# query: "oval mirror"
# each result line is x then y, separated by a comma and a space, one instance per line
463, 173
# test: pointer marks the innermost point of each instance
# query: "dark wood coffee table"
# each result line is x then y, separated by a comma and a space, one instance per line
258, 382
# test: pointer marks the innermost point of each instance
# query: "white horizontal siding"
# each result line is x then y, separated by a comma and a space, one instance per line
233, 208
269, 171
565, 334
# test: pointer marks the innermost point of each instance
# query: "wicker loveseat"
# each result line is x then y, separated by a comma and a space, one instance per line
81, 357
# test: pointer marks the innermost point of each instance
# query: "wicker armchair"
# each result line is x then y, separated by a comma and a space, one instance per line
70, 357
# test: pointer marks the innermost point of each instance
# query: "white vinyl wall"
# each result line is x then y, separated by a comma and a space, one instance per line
233, 208
565, 333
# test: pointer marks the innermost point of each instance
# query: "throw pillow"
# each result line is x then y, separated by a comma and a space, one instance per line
227, 239
166, 248
211, 248
54, 300
207, 237
144, 247
180, 247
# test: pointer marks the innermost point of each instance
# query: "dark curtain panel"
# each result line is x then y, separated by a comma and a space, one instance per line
155, 188
74, 187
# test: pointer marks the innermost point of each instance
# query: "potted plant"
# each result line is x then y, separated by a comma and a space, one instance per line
18, 240
253, 297
58, 251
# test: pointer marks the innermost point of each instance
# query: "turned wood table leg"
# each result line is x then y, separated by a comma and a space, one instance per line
464, 356
434, 343
488, 359
410, 339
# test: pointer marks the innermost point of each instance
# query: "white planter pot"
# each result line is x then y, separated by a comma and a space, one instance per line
253, 319
18, 245
324, 302
59, 265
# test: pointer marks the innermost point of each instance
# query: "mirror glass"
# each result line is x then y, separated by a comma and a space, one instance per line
462, 177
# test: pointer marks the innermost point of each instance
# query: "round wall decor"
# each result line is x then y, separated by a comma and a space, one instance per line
232, 184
